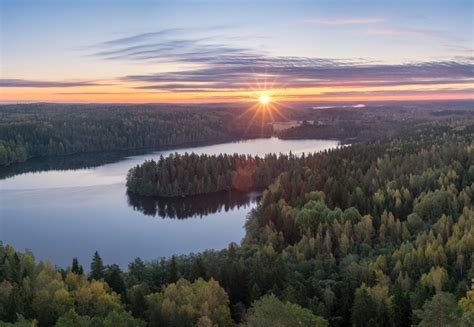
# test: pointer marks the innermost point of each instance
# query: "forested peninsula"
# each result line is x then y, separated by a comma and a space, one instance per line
373, 234
192, 174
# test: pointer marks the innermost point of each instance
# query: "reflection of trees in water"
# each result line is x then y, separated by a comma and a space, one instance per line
193, 206
85, 160
71, 162
80, 160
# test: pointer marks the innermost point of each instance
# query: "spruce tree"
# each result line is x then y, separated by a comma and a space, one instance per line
97, 267
114, 278
363, 310
401, 307
76, 267
173, 272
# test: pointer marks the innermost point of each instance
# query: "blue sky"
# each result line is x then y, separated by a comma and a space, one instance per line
113, 47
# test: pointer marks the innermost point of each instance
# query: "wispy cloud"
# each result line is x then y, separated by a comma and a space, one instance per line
140, 37
172, 45
100, 93
236, 72
220, 67
406, 31
217, 67
41, 84
394, 92
345, 20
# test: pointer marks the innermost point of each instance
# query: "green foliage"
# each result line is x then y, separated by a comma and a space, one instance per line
97, 267
113, 277
39, 130
192, 174
401, 307
136, 297
467, 306
364, 308
76, 267
430, 206
185, 304
442, 310
21, 322
113, 319
270, 311
72, 319
122, 319
378, 234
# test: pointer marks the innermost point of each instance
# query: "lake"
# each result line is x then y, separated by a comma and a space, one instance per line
72, 206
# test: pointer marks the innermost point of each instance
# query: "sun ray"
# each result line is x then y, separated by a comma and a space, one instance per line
267, 107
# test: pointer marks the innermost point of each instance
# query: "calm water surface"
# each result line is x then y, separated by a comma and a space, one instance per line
60, 210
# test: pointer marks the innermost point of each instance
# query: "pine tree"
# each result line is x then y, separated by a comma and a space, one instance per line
114, 278
363, 309
76, 267
198, 268
442, 310
14, 268
97, 267
401, 307
173, 272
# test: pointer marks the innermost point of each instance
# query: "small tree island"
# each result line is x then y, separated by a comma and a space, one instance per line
192, 174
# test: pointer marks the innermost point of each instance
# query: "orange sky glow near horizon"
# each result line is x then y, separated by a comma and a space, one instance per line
124, 94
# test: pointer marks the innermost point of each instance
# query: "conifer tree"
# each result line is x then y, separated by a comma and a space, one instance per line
97, 267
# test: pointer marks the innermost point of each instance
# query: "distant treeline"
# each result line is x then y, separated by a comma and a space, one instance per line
191, 174
43, 130
345, 130
453, 112
39, 130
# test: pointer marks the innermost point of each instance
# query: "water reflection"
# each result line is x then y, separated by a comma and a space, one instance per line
192, 207
63, 163
72, 206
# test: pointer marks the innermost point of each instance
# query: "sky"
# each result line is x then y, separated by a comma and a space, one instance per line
194, 51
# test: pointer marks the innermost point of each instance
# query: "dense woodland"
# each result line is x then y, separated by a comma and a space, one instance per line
40, 130
191, 174
45, 130
374, 234
363, 122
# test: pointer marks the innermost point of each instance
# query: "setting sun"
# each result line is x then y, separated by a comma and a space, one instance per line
264, 99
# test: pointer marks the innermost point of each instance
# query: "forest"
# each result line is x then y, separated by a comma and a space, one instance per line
374, 234
46, 130
192, 174
351, 123
42, 130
